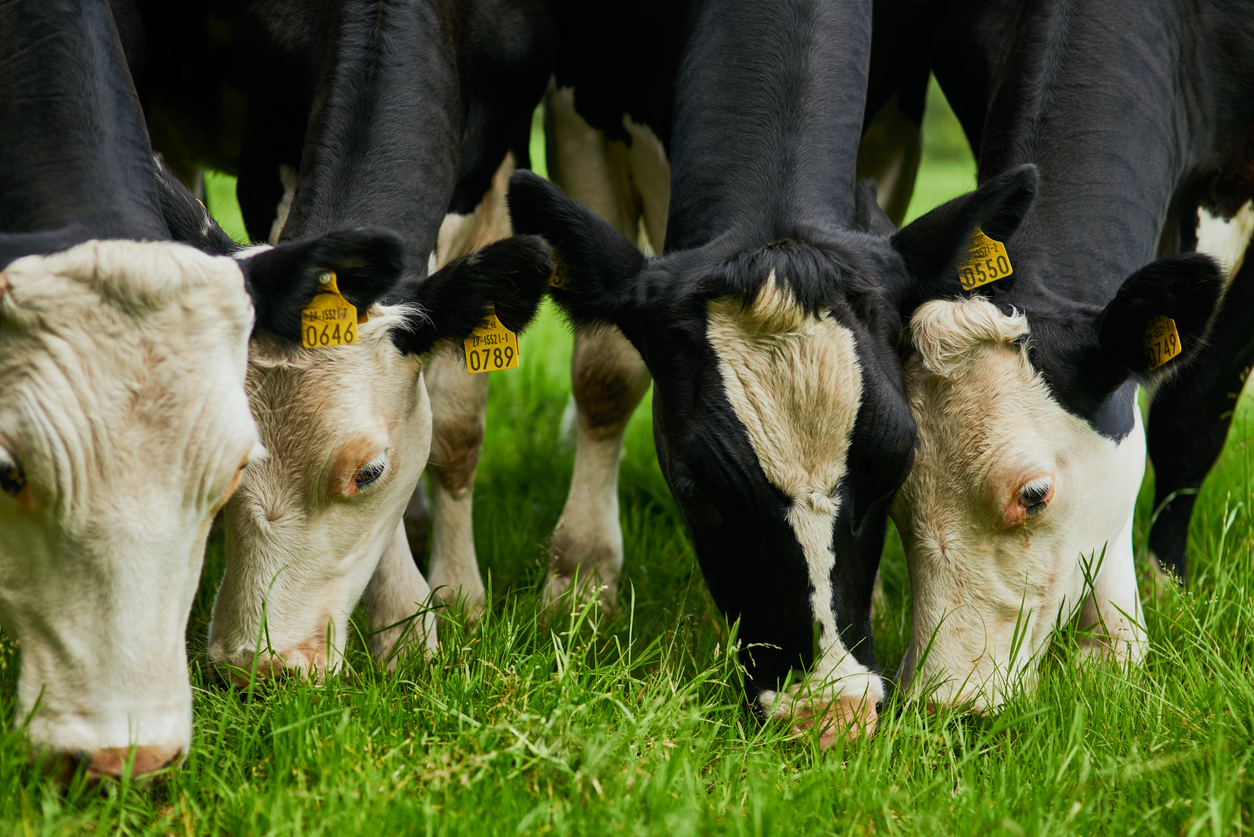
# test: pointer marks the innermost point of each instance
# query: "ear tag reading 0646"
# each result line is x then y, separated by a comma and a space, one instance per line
491, 347
1162, 341
329, 319
986, 262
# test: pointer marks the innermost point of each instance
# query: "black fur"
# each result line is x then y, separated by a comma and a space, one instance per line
510, 275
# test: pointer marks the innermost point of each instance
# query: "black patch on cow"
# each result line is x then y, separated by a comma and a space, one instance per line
510, 275
282, 280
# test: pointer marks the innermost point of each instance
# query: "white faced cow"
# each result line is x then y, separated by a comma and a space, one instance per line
1018, 514
124, 424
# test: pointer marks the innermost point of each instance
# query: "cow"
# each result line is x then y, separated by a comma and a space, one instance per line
770, 328
1018, 513
417, 122
124, 425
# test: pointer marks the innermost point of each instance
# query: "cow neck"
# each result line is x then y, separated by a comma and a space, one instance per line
77, 163
385, 126
1098, 108
768, 115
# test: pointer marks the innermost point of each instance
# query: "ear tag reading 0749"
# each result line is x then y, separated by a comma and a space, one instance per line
329, 319
491, 347
1162, 341
986, 262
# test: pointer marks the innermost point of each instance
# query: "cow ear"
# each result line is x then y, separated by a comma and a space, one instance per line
933, 245
595, 265
509, 275
1132, 331
282, 280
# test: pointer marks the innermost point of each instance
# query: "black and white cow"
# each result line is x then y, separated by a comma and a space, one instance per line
124, 425
417, 122
1019, 509
770, 327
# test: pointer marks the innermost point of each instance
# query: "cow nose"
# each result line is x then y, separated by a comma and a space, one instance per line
114, 762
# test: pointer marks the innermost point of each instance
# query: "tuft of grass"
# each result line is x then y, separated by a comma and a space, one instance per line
633, 723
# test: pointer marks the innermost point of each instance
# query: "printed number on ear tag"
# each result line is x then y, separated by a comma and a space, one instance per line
491, 347
329, 319
560, 277
986, 262
1162, 341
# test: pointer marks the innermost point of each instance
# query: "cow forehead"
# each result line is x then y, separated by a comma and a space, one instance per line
310, 403
794, 382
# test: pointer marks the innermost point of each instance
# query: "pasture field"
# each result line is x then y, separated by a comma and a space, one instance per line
633, 723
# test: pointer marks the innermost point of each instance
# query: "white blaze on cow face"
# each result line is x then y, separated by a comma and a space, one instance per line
1010, 499
794, 382
348, 431
123, 425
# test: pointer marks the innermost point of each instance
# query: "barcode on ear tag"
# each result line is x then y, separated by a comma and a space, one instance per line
491, 347
986, 262
329, 319
1162, 341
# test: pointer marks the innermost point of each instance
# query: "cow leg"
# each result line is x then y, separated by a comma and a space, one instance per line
628, 187
890, 152
1113, 608
1190, 417
458, 403
395, 604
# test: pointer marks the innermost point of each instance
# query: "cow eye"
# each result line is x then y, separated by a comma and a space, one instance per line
12, 477
1036, 495
370, 472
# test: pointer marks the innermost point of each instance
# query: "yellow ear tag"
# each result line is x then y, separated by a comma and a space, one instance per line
491, 347
986, 262
1162, 341
329, 319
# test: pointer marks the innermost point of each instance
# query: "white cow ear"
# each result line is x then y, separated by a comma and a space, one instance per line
933, 245
596, 267
509, 276
282, 280
1132, 331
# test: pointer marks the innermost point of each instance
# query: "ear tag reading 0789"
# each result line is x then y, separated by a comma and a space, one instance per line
1162, 341
491, 347
329, 319
986, 262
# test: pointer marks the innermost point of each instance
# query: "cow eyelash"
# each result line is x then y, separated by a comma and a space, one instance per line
369, 473
12, 477
1035, 496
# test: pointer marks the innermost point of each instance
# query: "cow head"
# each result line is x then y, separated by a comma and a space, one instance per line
1018, 511
124, 427
780, 420
348, 431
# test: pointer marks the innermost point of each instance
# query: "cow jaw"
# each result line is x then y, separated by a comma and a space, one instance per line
990, 575
125, 417
795, 384
303, 537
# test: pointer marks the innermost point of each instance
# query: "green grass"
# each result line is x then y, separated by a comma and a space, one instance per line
632, 724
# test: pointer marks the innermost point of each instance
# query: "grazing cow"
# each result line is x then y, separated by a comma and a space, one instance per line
418, 123
124, 425
1019, 510
770, 327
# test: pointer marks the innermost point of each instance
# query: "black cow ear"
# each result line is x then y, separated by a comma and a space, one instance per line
933, 245
1160, 317
508, 275
594, 263
282, 280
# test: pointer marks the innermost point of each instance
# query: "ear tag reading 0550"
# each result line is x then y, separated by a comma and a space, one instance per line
491, 347
329, 319
1162, 341
986, 262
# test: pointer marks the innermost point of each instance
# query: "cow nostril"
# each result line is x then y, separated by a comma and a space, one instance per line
116, 762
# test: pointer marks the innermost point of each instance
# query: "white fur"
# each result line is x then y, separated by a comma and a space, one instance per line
290, 178
795, 384
299, 551
122, 367
988, 425
1226, 239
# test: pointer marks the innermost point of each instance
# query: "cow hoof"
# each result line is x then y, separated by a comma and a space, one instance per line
562, 594
467, 601
846, 718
